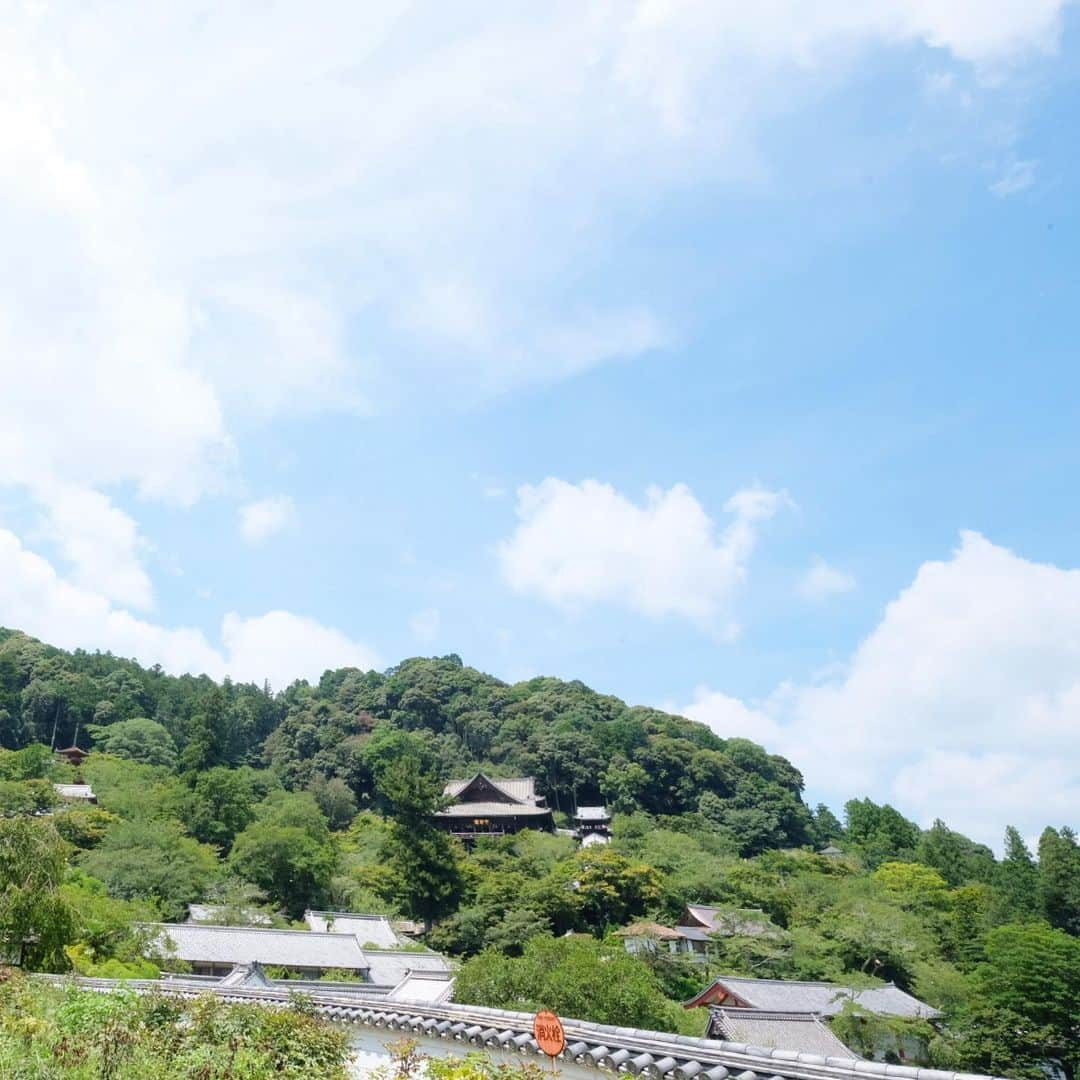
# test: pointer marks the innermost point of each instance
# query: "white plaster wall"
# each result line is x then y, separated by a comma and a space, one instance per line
370, 1046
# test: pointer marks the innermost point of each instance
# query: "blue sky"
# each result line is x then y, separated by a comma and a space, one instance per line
723, 359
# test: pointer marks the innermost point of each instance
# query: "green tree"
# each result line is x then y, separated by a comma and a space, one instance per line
827, 827
336, 800
609, 888
1016, 880
956, 858
153, 860
622, 784
32, 762
287, 852
35, 921
138, 739
426, 874
881, 833
208, 733
108, 930
1022, 1013
221, 804
1059, 878
574, 976
84, 826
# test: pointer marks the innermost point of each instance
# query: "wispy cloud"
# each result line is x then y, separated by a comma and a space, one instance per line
1019, 176
261, 520
822, 581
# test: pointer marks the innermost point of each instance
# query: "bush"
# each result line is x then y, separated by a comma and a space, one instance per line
79, 1034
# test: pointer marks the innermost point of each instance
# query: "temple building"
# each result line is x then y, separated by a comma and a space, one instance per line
485, 807
784, 1014
592, 825
217, 951
73, 755
697, 927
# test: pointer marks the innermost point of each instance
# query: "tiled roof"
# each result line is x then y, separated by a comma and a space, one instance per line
389, 968
370, 930
428, 987
704, 914
822, 998
74, 791
494, 809
649, 930
692, 933
519, 788
716, 920
803, 1032
199, 943
653, 1055
592, 813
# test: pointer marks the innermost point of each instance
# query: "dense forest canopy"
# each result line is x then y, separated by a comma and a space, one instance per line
582, 747
264, 804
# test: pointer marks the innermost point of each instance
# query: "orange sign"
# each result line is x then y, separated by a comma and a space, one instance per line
548, 1030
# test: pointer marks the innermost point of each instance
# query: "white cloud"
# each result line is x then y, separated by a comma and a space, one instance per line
579, 544
1019, 176
822, 581
425, 624
100, 541
256, 211
262, 519
279, 646
288, 646
262, 211
964, 701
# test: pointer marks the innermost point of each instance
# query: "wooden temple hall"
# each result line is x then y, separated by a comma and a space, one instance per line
482, 806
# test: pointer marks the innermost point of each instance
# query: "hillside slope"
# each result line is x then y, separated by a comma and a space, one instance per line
582, 747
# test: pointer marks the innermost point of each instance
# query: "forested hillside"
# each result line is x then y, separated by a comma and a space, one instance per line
321, 796
580, 745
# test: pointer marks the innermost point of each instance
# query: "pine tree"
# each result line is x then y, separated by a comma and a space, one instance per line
1059, 878
1017, 880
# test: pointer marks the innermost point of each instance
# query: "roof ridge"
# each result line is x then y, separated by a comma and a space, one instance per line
805, 982
201, 926
349, 914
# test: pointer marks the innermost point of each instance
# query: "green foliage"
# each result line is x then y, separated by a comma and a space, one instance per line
109, 931
880, 833
872, 1035
32, 762
133, 790
221, 804
1059, 878
336, 800
608, 888
35, 920
574, 976
26, 797
957, 859
1017, 880
81, 1035
138, 739
152, 860
1022, 1011
425, 876
84, 826
321, 796
287, 852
